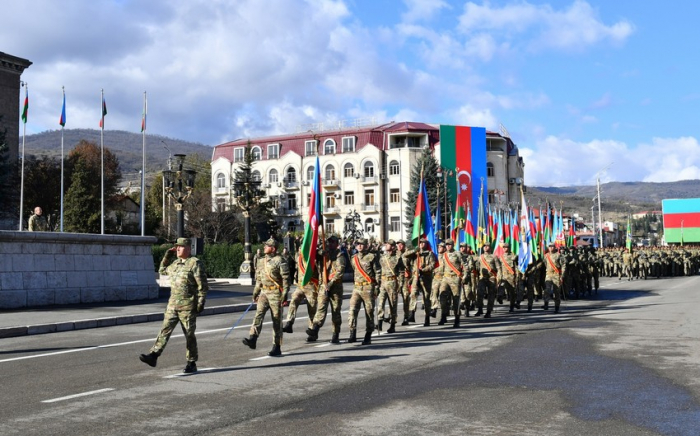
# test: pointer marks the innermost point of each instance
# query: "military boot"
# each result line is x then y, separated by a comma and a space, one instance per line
479, 312
412, 318
190, 368
288, 327
353, 336
313, 333
368, 339
150, 359
433, 313
443, 319
251, 342
456, 324
392, 329
405, 321
335, 339
529, 307
379, 325
276, 351
426, 323
546, 306
556, 308
512, 307
488, 314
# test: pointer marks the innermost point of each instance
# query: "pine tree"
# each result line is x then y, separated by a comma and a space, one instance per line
261, 214
429, 165
82, 207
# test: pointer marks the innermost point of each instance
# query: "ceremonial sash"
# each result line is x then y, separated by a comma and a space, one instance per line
483, 262
504, 263
302, 270
267, 271
452, 267
551, 263
358, 267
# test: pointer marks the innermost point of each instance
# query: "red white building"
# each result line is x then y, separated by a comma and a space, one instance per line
365, 170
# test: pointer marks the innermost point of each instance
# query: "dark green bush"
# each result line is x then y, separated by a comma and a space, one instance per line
220, 260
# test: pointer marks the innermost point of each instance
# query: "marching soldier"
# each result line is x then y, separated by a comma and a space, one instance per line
555, 266
334, 263
468, 296
308, 291
188, 292
488, 272
404, 278
508, 264
366, 267
438, 273
391, 264
423, 264
451, 284
270, 291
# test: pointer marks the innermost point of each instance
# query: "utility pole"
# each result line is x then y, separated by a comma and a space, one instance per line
600, 215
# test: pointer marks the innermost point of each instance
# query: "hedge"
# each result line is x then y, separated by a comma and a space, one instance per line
220, 260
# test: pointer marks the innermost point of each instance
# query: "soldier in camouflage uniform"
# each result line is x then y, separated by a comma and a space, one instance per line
451, 284
438, 273
486, 287
37, 222
391, 264
423, 261
468, 297
308, 291
555, 266
366, 267
404, 283
188, 292
334, 263
627, 261
508, 267
270, 291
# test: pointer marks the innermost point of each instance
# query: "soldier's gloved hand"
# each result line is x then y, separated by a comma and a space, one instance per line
200, 307
255, 297
326, 290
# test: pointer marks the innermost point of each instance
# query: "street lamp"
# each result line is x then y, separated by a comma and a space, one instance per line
352, 229
179, 185
248, 195
443, 174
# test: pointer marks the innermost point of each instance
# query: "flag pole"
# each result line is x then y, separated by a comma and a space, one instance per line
143, 166
24, 137
63, 125
102, 160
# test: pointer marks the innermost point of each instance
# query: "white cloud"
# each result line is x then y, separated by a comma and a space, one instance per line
421, 10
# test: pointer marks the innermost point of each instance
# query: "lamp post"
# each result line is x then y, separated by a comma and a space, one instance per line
443, 174
179, 185
248, 195
352, 230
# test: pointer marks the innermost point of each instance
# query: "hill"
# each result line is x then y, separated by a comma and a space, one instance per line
126, 145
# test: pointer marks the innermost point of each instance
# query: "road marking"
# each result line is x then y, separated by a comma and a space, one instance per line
260, 358
323, 345
182, 374
84, 394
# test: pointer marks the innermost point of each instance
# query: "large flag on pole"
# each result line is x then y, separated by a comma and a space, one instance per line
422, 222
525, 250
469, 234
25, 111
104, 112
62, 120
629, 234
310, 242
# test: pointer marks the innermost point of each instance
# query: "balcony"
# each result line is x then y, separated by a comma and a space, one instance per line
290, 185
369, 208
330, 184
284, 211
369, 180
221, 190
331, 210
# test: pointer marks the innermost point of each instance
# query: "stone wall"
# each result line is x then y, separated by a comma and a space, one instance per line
46, 268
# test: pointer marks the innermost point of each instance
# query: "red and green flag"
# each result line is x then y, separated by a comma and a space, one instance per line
309, 243
25, 111
571, 239
104, 112
469, 233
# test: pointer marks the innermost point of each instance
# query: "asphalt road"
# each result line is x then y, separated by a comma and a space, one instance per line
624, 363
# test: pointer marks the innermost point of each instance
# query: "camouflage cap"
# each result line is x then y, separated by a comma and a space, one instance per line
332, 238
391, 242
271, 243
441, 244
401, 241
423, 240
449, 242
183, 242
362, 241
464, 244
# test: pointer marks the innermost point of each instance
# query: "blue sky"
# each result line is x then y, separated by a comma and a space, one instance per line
578, 84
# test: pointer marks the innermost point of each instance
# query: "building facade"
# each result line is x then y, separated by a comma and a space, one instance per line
11, 68
365, 174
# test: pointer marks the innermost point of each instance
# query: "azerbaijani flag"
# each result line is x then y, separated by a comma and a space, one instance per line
629, 234
525, 250
104, 112
25, 111
422, 222
62, 120
469, 233
310, 242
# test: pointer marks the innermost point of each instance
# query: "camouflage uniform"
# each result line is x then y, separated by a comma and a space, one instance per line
308, 291
404, 274
627, 260
270, 291
486, 287
468, 296
423, 265
188, 292
391, 263
37, 223
366, 267
555, 266
335, 268
508, 269
451, 284
438, 273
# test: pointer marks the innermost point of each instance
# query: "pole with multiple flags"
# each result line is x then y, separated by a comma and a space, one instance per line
25, 113
62, 122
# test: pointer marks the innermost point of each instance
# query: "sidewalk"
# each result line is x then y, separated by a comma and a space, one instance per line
221, 298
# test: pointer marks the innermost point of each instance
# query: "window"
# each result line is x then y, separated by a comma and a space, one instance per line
394, 168
310, 147
369, 169
492, 198
395, 224
256, 152
308, 198
394, 196
330, 226
255, 174
273, 151
292, 202
220, 180
329, 147
291, 175
490, 172
221, 205
348, 144
330, 201
310, 173
348, 170
369, 225
275, 200
273, 176
330, 172
369, 197
292, 227
238, 154
349, 197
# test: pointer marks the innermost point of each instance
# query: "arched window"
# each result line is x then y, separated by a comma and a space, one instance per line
369, 225
220, 180
273, 176
394, 168
255, 174
256, 152
368, 169
490, 172
291, 175
330, 172
310, 173
329, 146
348, 170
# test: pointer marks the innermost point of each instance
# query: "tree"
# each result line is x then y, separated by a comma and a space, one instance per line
429, 165
261, 212
42, 187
